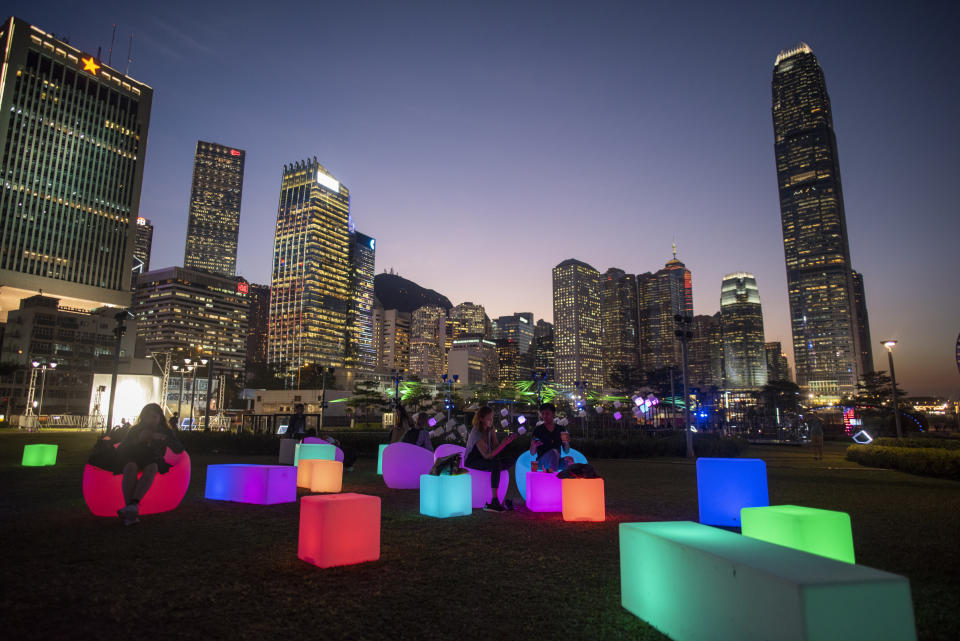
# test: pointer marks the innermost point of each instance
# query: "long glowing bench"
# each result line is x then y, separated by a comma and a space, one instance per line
693, 581
260, 484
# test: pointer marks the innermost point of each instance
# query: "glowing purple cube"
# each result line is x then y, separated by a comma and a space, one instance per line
260, 484
544, 492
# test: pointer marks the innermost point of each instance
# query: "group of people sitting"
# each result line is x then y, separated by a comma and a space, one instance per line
550, 443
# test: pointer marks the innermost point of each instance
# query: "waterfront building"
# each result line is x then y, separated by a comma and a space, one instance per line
621, 345
660, 297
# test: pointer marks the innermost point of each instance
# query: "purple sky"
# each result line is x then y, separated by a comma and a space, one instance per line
485, 143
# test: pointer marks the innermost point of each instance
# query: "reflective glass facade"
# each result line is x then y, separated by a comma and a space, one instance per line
361, 353
577, 324
741, 326
621, 340
214, 223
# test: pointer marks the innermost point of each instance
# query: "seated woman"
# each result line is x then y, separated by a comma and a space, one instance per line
402, 422
548, 441
483, 452
142, 450
419, 434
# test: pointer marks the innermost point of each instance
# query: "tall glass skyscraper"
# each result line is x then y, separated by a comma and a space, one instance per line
577, 324
361, 353
621, 343
73, 132
214, 223
310, 283
741, 329
823, 313
660, 297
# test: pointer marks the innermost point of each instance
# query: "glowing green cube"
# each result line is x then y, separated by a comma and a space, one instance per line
39, 454
692, 581
822, 532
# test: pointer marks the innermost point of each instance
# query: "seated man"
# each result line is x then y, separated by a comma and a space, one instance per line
548, 441
419, 434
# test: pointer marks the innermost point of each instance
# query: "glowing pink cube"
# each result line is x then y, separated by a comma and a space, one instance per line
544, 492
339, 529
260, 484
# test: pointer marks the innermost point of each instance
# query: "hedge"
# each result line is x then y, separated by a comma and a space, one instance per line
928, 461
930, 442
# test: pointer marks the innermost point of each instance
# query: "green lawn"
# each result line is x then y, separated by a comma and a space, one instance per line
219, 570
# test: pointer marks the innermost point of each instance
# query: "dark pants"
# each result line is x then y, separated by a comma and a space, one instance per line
493, 465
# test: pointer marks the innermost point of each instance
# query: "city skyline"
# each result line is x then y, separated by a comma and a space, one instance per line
630, 166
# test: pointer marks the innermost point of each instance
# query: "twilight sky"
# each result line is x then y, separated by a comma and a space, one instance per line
483, 143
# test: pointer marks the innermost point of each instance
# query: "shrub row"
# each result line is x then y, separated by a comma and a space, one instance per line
937, 462
923, 442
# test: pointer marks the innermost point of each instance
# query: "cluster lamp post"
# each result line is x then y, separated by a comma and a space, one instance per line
684, 334
448, 383
893, 385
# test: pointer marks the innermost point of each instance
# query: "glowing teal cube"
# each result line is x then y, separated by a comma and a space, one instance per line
446, 495
692, 581
823, 532
321, 451
39, 455
383, 446
725, 485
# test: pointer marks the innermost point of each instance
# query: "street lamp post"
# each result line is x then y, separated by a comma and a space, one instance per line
581, 405
448, 382
206, 397
397, 376
893, 385
539, 379
193, 393
41, 369
121, 317
684, 334
176, 368
324, 371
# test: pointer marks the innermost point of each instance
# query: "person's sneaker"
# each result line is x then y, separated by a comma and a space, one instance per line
131, 520
508, 505
493, 506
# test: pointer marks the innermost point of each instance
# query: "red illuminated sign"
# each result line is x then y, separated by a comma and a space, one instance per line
243, 288
234, 152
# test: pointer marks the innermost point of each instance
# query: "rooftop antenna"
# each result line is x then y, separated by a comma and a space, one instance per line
112, 39
126, 71
674, 249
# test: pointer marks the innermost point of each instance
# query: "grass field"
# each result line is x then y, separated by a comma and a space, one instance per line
217, 570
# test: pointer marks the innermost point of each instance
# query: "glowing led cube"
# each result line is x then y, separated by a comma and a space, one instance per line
339, 529
823, 532
260, 484
693, 581
544, 492
445, 495
481, 492
583, 500
725, 485
39, 455
323, 451
288, 448
383, 446
325, 476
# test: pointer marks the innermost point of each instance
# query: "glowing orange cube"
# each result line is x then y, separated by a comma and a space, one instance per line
305, 472
583, 500
339, 529
325, 476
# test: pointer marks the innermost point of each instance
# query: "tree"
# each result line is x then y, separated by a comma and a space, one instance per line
626, 378
875, 398
264, 376
367, 395
779, 395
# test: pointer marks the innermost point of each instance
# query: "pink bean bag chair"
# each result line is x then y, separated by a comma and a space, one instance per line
104, 496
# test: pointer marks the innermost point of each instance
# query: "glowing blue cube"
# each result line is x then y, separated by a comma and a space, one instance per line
726, 485
321, 451
446, 495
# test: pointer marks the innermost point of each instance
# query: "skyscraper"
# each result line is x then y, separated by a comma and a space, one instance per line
863, 324
73, 133
391, 339
660, 297
741, 328
361, 353
621, 345
823, 313
543, 359
469, 319
514, 338
142, 246
778, 368
310, 284
577, 324
259, 296
706, 353
428, 331
214, 222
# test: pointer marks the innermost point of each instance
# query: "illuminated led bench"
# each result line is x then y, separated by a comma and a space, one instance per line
339, 529
481, 493
544, 492
103, 493
726, 485
583, 500
693, 581
524, 462
403, 464
260, 484
823, 532
39, 455
445, 495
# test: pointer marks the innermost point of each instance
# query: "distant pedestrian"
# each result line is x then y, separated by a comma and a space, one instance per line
815, 425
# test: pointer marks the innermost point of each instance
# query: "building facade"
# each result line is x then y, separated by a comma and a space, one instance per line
143, 244
213, 226
660, 297
310, 284
577, 324
741, 327
823, 313
469, 319
189, 311
543, 359
621, 345
778, 368
474, 360
361, 355
428, 331
391, 329
863, 323
257, 323
73, 133
705, 358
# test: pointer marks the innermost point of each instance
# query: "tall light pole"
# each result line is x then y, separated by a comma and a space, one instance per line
684, 334
176, 368
448, 382
893, 384
43, 382
539, 378
396, 375
206, 398
323, 393
121, 317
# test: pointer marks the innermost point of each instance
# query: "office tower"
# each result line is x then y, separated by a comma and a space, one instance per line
469, 319
741, 328
361, 353
706, 353
310, 283
863, 323
142, 246
73, 132
392, 339
474, 361
259, 314
427, 343
214, 222
192, 310
660, 297
621, 345
543, 360
514, 338
518, 328
577, 324
778, 368
819, 277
